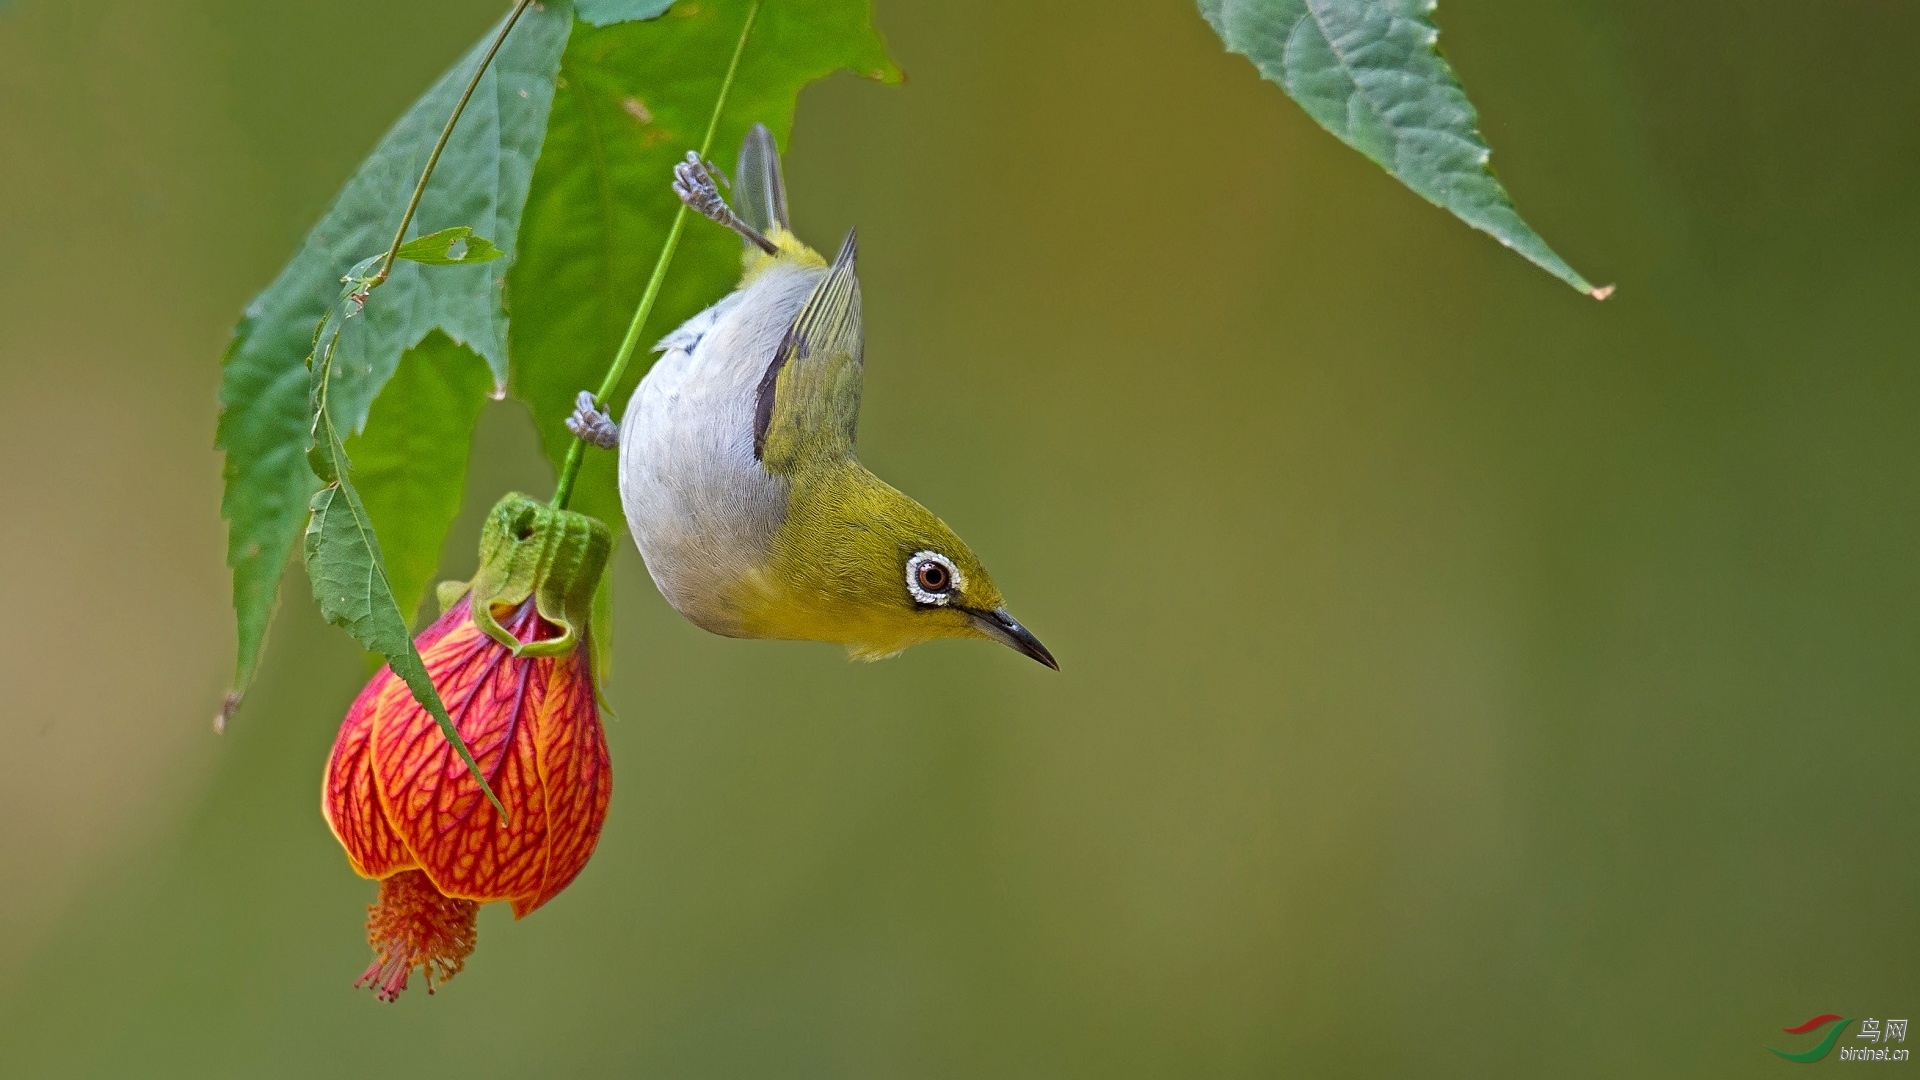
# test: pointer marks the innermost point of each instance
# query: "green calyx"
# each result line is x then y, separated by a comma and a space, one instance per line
528, 548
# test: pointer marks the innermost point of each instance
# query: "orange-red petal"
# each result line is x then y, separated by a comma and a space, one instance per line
348, 799
571, 749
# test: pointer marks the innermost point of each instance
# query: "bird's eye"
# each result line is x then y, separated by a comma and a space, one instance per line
931, 577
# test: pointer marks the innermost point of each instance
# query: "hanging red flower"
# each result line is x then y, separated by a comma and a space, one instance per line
511, 662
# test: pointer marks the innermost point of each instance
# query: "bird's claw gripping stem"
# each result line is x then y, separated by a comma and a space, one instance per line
693, 182
591, 424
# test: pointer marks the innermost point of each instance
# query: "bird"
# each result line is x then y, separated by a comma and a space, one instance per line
737, 467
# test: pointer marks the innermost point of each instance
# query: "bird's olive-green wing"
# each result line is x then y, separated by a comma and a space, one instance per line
809, 398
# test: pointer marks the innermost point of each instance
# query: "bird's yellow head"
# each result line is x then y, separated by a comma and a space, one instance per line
861, 564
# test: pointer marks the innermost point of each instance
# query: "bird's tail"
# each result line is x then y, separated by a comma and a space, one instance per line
759, 190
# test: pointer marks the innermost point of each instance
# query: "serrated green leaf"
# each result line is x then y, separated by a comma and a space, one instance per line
410, 462
608, 12
342, 549
632, 100
456, 246
1371, 73
481, 181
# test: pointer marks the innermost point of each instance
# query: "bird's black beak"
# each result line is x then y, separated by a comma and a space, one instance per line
1002, 627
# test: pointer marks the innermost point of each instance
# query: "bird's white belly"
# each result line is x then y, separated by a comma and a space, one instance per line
702, 509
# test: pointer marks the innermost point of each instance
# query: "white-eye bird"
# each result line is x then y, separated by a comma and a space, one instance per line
737, 465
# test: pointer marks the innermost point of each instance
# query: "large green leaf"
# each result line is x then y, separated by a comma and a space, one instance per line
410, 462
342, 549
1370, 72
482, 183
632, 100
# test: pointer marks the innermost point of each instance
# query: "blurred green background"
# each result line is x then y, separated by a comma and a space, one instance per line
1462, 678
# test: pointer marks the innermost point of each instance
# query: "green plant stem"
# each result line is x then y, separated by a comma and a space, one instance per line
433, 159
576, 453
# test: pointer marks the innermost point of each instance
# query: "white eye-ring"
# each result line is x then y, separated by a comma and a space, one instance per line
932, 578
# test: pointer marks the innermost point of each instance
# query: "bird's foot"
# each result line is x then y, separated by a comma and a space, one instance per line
693, 181
591, 424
